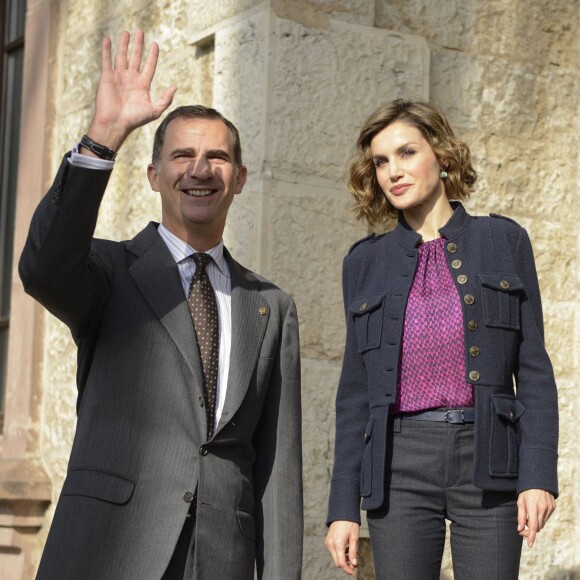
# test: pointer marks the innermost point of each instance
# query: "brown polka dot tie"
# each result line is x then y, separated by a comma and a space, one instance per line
203, 308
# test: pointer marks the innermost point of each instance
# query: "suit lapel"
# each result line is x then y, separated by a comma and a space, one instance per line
250, 315
155, 273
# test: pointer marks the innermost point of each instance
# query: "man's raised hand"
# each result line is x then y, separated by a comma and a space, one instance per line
123, 100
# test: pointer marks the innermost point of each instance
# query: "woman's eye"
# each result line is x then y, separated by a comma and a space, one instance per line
380, 162
408, 152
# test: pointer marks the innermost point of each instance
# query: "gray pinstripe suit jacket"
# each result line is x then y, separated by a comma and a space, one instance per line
140, 442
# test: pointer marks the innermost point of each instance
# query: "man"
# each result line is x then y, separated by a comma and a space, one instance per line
186, 461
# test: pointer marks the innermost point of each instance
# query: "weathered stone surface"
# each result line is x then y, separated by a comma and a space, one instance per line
298, 79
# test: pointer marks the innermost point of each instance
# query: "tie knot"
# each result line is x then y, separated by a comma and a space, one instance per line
201, 261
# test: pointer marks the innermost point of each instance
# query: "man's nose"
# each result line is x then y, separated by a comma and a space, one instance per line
200, 168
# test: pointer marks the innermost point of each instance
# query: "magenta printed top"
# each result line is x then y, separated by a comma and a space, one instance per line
432, 358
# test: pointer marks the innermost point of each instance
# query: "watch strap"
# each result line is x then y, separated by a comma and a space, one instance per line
98, 149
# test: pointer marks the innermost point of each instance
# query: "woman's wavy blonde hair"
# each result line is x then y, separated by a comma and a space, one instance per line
371, 203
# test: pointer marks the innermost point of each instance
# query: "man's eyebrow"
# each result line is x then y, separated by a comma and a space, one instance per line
217, 153
182, 151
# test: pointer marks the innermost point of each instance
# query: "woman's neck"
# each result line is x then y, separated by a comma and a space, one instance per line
428, 221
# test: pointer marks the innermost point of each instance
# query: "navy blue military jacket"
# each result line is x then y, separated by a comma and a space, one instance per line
516, 425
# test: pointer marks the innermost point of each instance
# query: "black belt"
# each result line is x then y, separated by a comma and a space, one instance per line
455, 416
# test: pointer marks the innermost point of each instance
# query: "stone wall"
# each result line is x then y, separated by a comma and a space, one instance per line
298, 78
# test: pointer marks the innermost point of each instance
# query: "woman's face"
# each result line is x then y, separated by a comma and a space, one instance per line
407, 168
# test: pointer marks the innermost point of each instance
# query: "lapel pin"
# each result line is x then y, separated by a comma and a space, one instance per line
262, 310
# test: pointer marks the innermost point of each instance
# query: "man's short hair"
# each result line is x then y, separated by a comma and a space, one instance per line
195, 112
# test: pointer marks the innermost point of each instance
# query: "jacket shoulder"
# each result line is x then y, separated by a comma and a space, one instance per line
363, 242
502, 221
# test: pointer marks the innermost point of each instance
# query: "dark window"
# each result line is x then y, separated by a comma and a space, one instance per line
12, 16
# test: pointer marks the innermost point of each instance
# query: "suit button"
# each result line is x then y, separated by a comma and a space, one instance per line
456, 264
474, 351
452, 247
462, 279
203, 450
504, 284
474, 376
472, 325
188, 497
200, 401
469, 299
363, 306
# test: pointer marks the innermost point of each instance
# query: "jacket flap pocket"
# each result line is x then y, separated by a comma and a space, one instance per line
501, 282
366, 304
98, 485
508, 407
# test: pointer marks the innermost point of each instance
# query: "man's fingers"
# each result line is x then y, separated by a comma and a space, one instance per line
137, 50
164, 101
106, 63
150, 64
121, 57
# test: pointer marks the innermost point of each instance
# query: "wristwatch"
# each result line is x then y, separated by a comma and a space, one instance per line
98, 149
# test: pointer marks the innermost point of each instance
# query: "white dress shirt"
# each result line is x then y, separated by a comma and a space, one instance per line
219, 276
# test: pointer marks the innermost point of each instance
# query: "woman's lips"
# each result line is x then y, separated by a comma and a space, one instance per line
400, 189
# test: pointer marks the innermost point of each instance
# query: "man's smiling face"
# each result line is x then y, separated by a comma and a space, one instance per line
197, 177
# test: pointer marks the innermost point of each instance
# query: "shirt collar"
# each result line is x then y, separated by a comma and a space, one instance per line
181, 250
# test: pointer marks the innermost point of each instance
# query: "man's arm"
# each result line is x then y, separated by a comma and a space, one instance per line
56, 266
278, 468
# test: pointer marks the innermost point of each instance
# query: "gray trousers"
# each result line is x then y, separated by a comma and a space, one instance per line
428, 481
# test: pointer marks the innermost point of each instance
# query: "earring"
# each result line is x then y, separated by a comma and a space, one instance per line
443, 174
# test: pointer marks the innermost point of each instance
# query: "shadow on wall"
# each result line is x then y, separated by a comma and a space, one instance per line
571, 574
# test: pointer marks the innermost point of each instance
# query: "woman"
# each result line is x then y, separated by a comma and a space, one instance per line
443, 318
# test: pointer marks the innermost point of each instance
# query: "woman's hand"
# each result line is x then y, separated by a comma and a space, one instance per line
535, 506
342, 543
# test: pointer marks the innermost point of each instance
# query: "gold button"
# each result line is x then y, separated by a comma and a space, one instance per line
452, 247
262, 310
363, 306
456, 264
504, 284
474, 351
469, 299
462, 279
472, 325
474, 376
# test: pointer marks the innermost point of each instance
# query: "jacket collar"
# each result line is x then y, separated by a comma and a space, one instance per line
458, 222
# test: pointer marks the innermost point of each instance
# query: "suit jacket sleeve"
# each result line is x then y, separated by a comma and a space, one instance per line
536, 386
352, 415
278, 467
57, 267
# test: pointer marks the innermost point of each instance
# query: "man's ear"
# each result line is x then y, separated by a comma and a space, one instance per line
152, 177
241, 178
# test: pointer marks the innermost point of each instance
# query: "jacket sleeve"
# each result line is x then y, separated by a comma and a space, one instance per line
278, 466
535, 383
352, 415
56, 266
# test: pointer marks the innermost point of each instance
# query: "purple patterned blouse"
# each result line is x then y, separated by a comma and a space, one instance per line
432, 359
